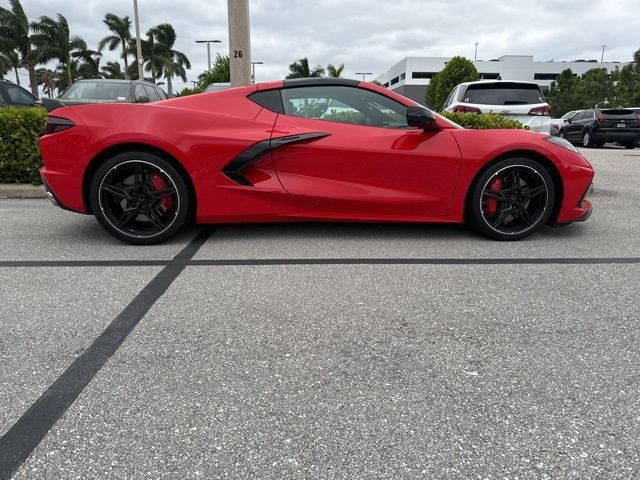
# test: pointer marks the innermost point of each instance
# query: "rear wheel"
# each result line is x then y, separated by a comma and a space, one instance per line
587, 139
140, 198
512, 199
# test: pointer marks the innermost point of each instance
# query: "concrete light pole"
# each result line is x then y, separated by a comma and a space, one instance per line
239, 42
475, 56
253, 70
602, 58
363, 74
138, 43
208, 42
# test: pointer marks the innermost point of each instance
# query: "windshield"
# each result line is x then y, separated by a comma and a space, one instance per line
503, 94
98, 91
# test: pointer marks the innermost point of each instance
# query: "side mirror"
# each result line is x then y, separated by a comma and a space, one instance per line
422, 118
568, 120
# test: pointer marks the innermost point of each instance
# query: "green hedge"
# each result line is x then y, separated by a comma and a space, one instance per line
20, 129
484, 121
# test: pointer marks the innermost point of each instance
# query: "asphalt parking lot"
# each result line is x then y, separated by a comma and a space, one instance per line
323, 350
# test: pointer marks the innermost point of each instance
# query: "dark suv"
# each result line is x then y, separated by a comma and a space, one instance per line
13, 95
111, 91
593, 128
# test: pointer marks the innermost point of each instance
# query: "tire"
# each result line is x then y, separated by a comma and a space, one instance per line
587, 139
140, 198
509, 212
630, 146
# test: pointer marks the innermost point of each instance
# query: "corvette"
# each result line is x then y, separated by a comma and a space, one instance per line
303, 150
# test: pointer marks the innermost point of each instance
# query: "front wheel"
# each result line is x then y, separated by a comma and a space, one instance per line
140, 198
512, 199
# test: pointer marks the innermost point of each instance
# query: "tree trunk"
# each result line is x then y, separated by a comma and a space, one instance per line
33, 80
69, 76
17, 77
126, 62
169, 87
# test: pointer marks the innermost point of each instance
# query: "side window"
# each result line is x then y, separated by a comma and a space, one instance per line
151, 93
351, 105
161, 94
139, 95
19, 96
579, 116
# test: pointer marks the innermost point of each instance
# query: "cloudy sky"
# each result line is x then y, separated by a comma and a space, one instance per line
373, 35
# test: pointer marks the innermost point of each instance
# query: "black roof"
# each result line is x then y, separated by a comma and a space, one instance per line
320, 81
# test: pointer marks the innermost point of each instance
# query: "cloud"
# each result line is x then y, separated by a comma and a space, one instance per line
372, 36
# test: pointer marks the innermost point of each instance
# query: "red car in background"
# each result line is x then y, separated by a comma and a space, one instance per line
303, 150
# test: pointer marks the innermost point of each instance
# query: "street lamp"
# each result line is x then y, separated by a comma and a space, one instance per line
475, 56
602, 58
253, 70
208, 42
363, 74
138, 43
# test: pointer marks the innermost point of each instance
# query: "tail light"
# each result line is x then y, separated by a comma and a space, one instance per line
541, 111
57, 124
601, 119
465, 109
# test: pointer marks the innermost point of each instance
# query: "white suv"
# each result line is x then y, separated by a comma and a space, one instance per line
521, 101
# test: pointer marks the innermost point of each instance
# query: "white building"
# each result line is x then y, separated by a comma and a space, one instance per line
411, 75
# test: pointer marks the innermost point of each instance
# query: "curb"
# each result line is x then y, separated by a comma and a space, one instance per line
21, 190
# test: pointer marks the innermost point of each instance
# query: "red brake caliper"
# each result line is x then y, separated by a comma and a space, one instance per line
491, 204
159, 184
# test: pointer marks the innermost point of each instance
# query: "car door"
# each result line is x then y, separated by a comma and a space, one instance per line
573, 130
360, 156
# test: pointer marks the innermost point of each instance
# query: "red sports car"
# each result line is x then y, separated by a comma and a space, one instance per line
303, 150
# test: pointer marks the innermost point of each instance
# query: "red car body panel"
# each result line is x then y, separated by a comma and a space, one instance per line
354, 173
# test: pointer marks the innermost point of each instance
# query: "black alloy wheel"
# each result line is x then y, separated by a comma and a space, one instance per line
140, 198
512, 199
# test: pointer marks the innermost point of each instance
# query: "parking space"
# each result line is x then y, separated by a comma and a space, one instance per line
516, 369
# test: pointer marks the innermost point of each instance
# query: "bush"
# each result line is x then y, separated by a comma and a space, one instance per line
485, 121
190, 91
20, 129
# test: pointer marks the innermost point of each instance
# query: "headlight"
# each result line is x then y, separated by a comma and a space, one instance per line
561, 142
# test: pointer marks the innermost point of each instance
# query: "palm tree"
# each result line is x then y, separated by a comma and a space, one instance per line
14, 35
335, 72
90, 66
47, 78
121, 29
9, 61
112, 70
52, 41
300, 69
172, 62
152, 63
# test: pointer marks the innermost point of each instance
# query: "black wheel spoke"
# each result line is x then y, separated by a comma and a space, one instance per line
154, 217
116, 191
493, 195
139, 178
524, 215
515, 178
534, 192
162, 193
126, 217
501, 217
